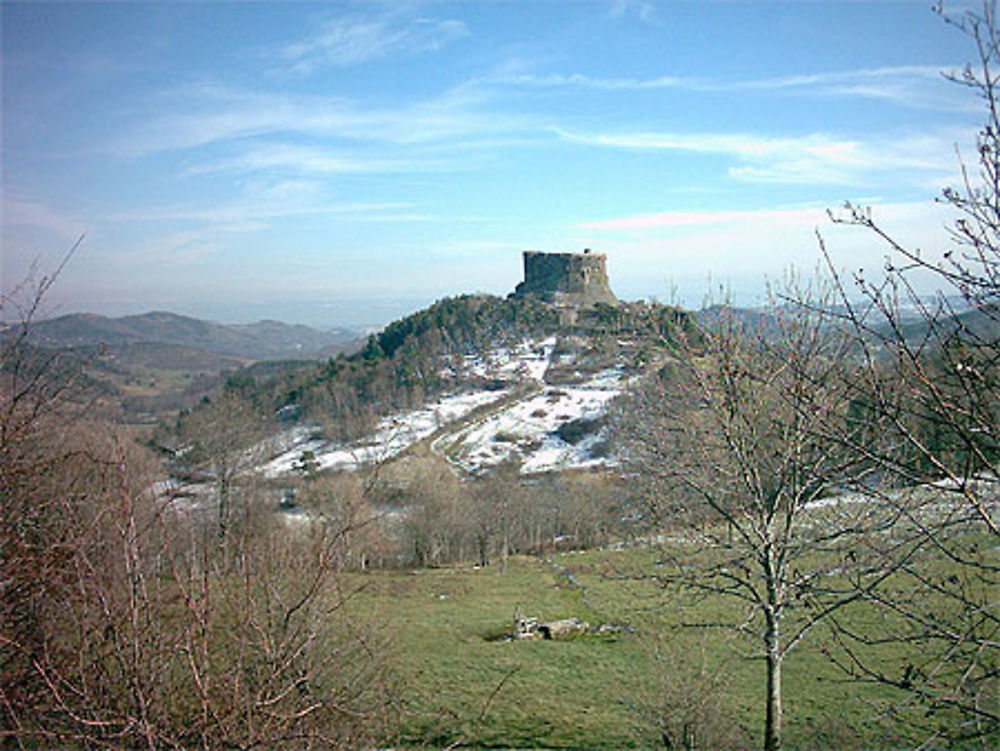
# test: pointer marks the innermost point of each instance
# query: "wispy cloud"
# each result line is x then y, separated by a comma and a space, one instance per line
558, 80
19, 212
745, 248
671, 219
315, 160
908, 85
642, 9
194, 233
208, 114
246, 215
814, 158
921, 86
343, 42
262, 200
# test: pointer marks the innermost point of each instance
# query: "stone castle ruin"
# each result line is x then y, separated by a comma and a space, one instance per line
578, 279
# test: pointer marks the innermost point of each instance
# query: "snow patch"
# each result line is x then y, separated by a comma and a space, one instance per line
527, 361
528, 429
394, 434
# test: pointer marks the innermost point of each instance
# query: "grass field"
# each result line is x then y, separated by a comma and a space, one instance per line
464, 685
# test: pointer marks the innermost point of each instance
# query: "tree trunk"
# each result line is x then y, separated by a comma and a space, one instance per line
772, 723
223, 505
483, 541
505, 543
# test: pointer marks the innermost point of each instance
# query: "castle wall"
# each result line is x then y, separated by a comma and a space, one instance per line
575, 278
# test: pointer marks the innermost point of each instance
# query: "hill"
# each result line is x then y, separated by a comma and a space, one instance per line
264, 340
974, 325
477, 380
147, 367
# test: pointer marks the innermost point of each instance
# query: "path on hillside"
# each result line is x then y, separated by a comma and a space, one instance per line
444, 442
439, 444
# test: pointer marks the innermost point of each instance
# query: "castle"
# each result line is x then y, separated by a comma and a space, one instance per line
578, 279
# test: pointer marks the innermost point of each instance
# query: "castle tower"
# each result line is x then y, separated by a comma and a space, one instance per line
579, 279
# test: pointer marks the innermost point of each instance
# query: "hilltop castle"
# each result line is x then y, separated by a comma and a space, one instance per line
578, 279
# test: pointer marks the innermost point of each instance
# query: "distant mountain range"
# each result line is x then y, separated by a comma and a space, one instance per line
264, 340
952, 317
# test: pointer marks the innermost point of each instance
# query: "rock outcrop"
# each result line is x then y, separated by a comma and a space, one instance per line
532, 628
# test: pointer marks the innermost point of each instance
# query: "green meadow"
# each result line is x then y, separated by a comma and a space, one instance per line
464, 685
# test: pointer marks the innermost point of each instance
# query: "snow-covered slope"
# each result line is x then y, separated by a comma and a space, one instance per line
395, 434
543, 427
529, 430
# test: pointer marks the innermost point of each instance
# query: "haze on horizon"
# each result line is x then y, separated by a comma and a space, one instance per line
343, 164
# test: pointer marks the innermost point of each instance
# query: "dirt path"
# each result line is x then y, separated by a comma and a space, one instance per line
437, 443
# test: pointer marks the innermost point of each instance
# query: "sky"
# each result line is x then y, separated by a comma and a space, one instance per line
345, 163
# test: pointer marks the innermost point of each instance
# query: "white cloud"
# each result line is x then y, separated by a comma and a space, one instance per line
558, 80
668, 219
320, 160
744, 248
345, 42
309, 134
260, 203
245, 213
909, 85
816, 158
643, 9
39, 215
918, 86
203, 115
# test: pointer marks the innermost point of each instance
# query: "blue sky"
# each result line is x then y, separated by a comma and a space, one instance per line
345, 163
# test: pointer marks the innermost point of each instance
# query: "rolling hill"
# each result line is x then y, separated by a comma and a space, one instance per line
264, 340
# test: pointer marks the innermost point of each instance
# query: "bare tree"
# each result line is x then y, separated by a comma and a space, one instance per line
683, 697
932, 362
275, 654
123, 625
142, 632
724, 447
500, 506
226, 434
926, 394
439, 523
341, 503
